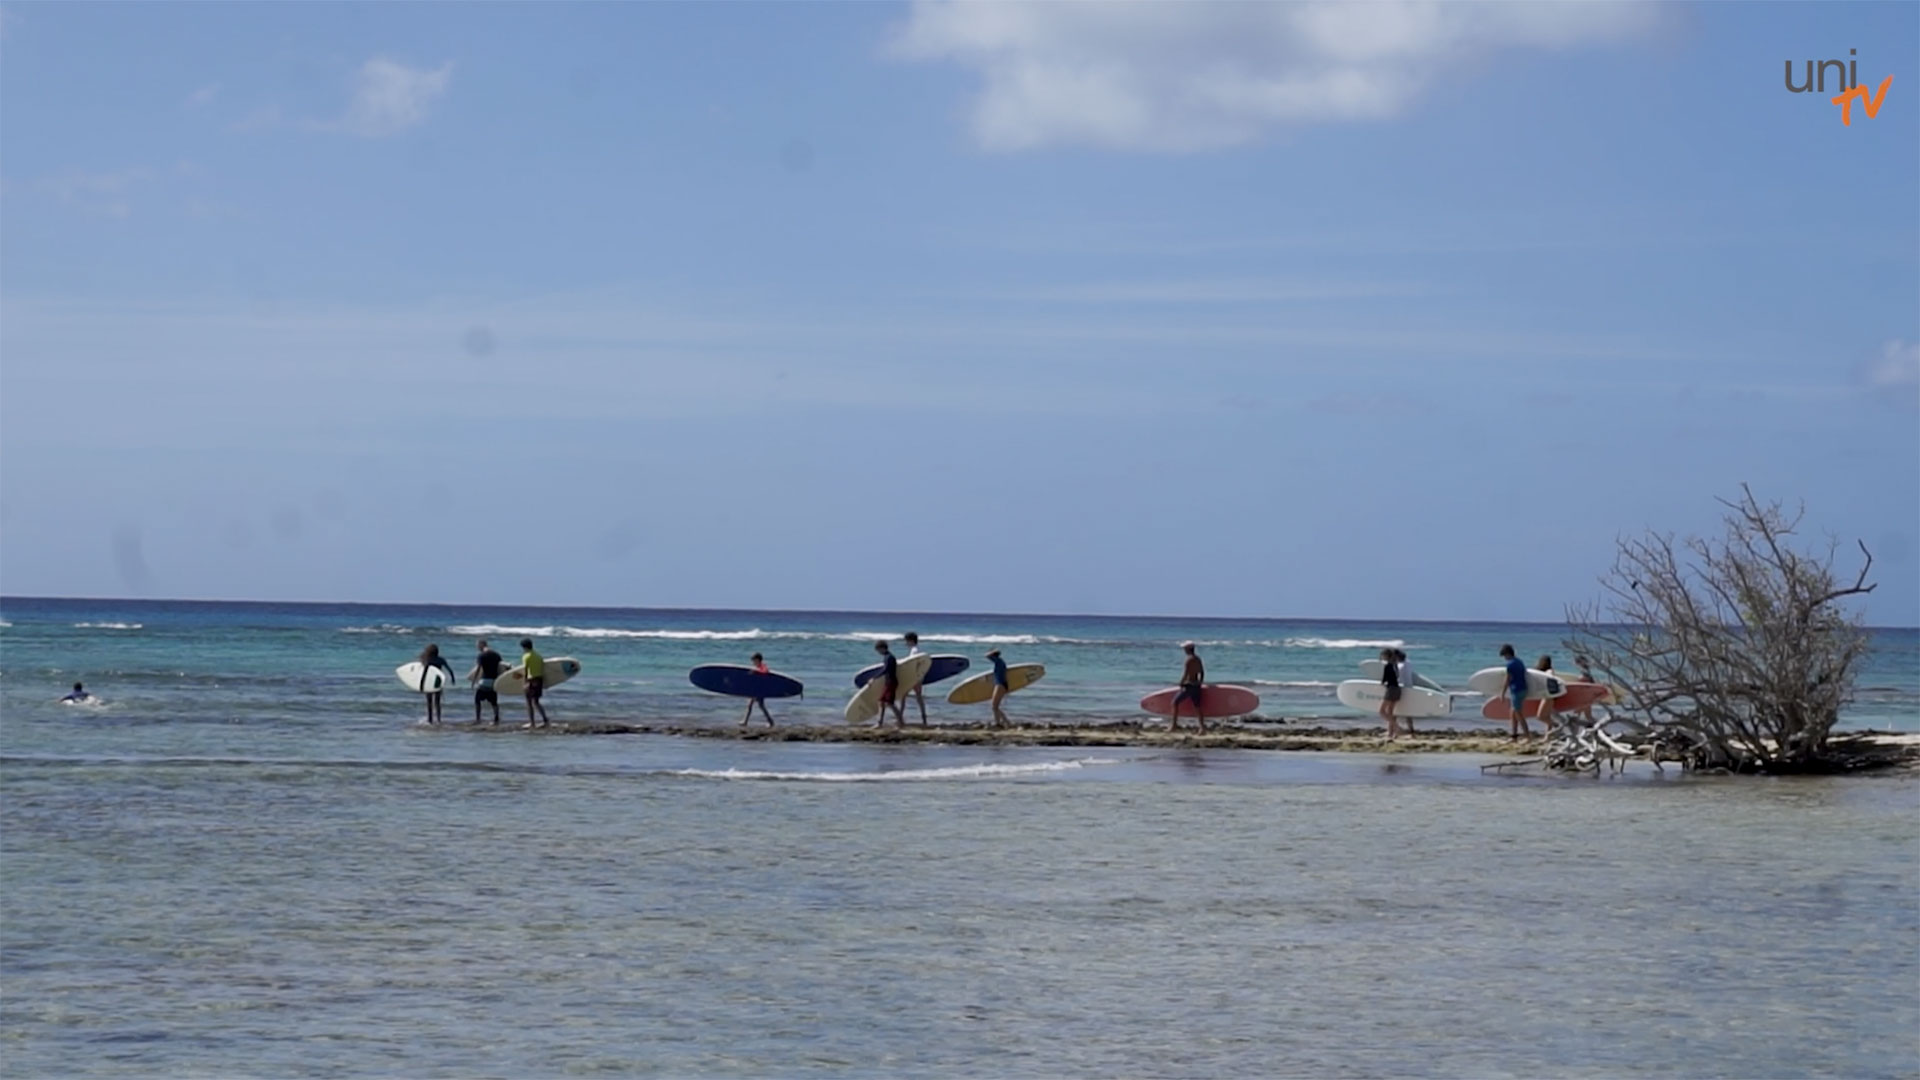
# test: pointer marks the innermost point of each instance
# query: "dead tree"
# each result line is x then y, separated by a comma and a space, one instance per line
1737, 652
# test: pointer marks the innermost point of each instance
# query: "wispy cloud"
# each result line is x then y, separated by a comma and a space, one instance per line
204, 96
1217, 291
1166, 76
389, 97
108, 194
1897, 371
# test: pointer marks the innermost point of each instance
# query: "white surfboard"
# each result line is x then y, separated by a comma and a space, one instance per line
1493, 683
437, 678
865, 704
1371, 669
1416, 702
513, 683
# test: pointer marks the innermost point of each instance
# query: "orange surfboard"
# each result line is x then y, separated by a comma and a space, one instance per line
1579, 695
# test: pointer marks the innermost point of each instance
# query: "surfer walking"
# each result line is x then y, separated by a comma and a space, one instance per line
1000, 688
430, 658
889, 686
1390, 694
1516, 694
1404, 668
1547, 715
486, 668
759, 665
919, 692
1193, 680
533, 667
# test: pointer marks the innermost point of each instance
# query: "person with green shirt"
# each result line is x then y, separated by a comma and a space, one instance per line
533, 667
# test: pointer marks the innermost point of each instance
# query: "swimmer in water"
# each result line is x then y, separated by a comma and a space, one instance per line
79, 696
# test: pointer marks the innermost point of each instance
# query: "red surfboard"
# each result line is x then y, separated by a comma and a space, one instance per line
1579, 695
1217, 700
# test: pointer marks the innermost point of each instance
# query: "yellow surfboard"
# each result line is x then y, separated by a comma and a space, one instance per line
979, 689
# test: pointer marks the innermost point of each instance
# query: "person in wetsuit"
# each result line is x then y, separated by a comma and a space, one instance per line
1000, 688
430, 658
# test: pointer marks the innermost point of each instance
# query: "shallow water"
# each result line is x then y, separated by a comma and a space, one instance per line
296, 879
1192, 914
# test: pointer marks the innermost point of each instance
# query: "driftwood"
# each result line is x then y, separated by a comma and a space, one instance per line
1733, 653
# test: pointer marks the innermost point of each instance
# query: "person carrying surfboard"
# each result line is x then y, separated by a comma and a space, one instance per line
1000, 688
534, 667
1404, 668
889, 687
486, 668
1547, 715
1193, 680
430, 658
919, 693
1516, 694
759, 666
1390, 694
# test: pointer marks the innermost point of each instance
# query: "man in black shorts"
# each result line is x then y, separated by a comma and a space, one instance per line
485, 669
1193, 679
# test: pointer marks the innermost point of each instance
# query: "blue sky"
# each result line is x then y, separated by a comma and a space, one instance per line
1375, 311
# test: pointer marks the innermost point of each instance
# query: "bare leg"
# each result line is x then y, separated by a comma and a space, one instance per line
749, 713
1000, 717
920, 696
762, 702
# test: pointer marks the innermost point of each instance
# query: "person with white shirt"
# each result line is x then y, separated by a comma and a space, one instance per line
1405, 670
913, 649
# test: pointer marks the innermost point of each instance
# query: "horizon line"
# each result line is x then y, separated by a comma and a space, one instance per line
4, 598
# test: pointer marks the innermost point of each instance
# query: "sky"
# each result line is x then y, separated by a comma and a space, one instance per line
1395, 311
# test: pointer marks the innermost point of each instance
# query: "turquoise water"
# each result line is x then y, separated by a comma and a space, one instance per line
259, 663
253, 860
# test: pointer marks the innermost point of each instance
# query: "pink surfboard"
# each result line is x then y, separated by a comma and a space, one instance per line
1218, 701
1579, 695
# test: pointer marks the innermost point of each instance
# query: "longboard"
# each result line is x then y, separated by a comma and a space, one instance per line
1416, 702
1578, 696
1217, 700
735, 680
1371, 669
979, 689
438, 678
865, 703
943, 667
1493, 683
513, 683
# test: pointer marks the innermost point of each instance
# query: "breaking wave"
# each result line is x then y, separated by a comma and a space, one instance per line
955, 772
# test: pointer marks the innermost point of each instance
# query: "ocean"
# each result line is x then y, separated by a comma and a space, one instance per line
251, 858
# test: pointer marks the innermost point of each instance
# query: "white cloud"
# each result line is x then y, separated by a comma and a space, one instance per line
203, 96
389, 97
1898, 366
107, 194
1172, 76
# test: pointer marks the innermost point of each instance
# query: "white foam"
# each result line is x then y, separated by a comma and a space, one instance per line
4, 624
106, 626
1343, 643
954, 772
1303, 683
383, 628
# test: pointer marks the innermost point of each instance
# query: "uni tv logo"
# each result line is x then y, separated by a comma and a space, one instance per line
1847, 78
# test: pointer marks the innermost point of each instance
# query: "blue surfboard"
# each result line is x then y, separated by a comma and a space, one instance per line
942, 667
734, 680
